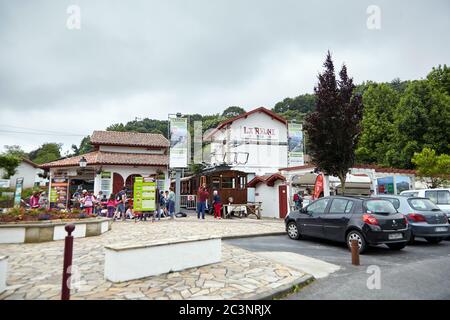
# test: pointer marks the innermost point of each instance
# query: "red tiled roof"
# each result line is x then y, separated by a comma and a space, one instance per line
267, 179
245, 115
111, 158
31, 163
138, 139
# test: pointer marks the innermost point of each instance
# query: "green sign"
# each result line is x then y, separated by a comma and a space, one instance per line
18, 194
144, 194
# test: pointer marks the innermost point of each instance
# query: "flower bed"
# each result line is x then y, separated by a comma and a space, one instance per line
20, 215
51, 227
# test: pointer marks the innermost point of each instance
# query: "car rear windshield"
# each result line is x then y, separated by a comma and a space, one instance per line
379, 206
394, 201
423, 205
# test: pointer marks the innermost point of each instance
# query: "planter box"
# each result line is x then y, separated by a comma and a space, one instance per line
3, 268
124, 263
35, 232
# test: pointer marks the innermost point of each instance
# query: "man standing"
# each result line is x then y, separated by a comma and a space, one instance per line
171, 201
122, 200
202, 195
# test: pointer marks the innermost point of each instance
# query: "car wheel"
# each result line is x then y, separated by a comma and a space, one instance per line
434, 240
292, 231
356, 235
396, 246
412, 239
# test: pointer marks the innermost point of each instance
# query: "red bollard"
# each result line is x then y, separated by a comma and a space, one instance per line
68, 251
355, 252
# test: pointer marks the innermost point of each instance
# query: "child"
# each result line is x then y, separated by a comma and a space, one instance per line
111, 205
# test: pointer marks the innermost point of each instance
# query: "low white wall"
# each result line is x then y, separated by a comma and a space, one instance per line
124, 264
12, 235
3, 268
60, 232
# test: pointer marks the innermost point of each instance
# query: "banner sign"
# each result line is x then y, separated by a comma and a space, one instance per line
5, 183
106, 183
295, 145
59, 193
144, 198
318, 187
178, 142
18, 193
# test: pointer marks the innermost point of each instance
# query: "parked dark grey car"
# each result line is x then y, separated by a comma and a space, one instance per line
368, 220
426, 220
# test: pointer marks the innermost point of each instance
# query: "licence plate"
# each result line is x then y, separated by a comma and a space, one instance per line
441, 229
395, 236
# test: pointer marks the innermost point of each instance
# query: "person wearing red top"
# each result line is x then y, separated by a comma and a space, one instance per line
34, 200
202, 196
111, 205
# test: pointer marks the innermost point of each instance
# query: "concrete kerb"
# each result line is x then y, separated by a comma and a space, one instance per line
254, 235
284, 289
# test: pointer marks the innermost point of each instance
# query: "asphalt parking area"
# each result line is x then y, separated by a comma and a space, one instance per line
420, 271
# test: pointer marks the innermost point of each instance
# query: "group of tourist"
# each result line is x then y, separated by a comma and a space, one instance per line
202, 202
38, 200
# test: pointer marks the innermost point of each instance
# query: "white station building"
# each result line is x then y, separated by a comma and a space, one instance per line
254, 142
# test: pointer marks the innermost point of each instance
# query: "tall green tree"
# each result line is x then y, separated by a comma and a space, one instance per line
46, 153
440, 77
16, 151
432, 166
232, 112
334, 127
85, 147
421, 120
380, 102
9, 164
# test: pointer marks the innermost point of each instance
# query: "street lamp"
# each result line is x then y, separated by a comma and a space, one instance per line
83, 162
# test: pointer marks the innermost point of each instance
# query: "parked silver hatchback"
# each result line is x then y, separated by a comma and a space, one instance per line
425, 219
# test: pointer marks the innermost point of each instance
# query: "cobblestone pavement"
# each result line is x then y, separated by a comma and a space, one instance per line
34, 270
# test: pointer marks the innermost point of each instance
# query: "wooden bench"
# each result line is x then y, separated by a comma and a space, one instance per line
242, 210
135, 261
3, 268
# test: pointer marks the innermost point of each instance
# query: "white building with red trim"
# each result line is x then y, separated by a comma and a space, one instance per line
254, 142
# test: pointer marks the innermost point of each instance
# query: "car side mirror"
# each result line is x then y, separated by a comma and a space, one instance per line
303, 210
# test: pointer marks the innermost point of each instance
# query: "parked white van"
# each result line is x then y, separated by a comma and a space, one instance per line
441, 197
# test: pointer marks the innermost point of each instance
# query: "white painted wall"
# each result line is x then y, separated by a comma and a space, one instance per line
12, 235
26, 171
125, 265
3, 270
60, 232
263, 158
268, 196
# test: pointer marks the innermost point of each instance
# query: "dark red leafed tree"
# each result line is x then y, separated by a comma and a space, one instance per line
333, 128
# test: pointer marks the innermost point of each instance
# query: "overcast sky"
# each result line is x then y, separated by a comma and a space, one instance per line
150, 58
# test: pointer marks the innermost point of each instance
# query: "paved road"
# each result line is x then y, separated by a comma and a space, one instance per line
420, 271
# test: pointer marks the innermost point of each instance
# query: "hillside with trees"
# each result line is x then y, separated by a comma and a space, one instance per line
400, 118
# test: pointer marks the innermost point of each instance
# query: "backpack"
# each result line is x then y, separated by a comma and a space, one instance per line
119, 196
